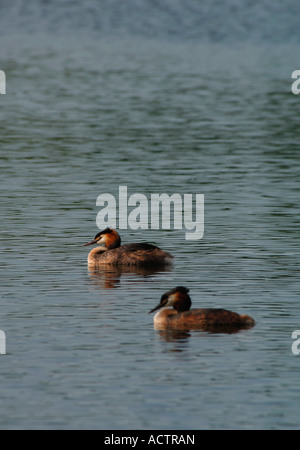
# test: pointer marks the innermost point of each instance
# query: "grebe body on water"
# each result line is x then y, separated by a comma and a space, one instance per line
182, 317
136, 254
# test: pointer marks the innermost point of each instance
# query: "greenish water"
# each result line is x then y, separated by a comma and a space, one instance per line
82, 117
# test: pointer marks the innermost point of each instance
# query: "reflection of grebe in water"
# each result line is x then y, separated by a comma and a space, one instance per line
108, 276
182, 317
138, 254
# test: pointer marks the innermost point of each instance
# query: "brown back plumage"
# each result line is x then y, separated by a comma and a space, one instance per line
131, 255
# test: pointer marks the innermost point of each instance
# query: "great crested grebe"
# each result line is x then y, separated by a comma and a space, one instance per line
182, 317
137, 254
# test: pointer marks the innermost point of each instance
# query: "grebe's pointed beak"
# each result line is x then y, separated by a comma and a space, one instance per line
155, 309
94, 241
163, 302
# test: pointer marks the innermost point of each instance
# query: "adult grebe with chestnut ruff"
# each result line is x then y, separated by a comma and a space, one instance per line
182, 317
136, 254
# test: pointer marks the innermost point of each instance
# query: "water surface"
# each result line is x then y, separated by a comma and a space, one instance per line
82, 117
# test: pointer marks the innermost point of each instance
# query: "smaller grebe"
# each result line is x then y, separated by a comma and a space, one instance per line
182, 317
137, 254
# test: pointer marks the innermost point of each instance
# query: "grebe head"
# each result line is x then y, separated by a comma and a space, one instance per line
108, 237
178, 298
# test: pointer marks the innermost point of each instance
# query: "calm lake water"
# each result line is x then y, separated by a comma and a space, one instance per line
82, 116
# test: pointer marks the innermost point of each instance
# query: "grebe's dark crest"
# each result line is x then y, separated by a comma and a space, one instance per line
109, 237
182, 317
136, 254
